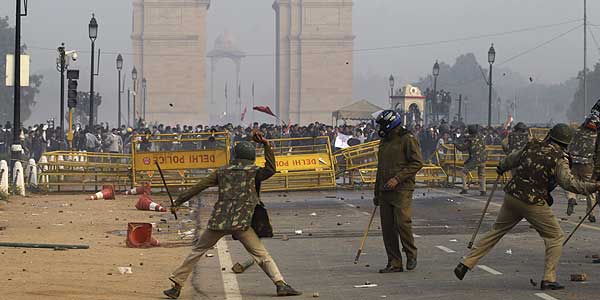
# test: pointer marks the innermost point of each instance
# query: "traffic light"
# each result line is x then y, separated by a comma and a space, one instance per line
72, 75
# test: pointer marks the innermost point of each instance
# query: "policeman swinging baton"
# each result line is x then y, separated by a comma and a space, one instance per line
364, 239
487, 204
580, 222
166, 187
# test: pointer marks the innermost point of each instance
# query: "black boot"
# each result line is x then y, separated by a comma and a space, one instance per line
547, 285
284, 289
411, 263
391, 269
460, 271
173, 292
571, 206
592, 219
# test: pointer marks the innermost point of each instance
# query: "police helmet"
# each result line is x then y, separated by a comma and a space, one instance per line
561, 134
244, 150
388, 120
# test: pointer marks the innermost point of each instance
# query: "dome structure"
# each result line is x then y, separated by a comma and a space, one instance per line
226, 46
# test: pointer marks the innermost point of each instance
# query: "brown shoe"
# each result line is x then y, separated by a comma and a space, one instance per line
391, 269
173, 292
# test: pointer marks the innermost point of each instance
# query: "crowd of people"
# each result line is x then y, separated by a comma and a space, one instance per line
41, 138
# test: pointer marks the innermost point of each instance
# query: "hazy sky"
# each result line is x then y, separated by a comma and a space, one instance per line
377, 23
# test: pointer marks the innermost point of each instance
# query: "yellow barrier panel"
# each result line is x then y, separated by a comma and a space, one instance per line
83, 171
452, 161
302, 164
354, 160
184, 157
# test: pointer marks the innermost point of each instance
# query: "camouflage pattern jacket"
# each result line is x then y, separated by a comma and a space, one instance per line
582, 147
536, 171
516, 141
239, 188
399, 156
475, 146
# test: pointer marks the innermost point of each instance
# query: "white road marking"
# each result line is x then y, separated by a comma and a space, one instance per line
445, 249
416, 235
350, 205
489, 270
366, 213
232, 289
545, 296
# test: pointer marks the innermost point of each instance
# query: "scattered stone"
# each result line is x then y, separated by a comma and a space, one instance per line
285, 238
24, 270
81, 238
116, 219
315, 295
362, 197
60, 211
310, 234
298, 232
222, 269
342, 198
209, 255
314, 214
358, 206
579, 277
38, 227
339, 224
24, 252
533, 283
367, 265
509, 251
108, 273
141, 264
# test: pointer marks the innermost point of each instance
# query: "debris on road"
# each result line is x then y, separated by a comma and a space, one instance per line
314, 214
316, 295
454, 240
125, 270
509, 252
209, 255
533, 283
285, 238
579, 277
298, 232
239, 268
367, 284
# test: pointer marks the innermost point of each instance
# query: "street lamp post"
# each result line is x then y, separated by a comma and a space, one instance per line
491, 59
119, 68
436, 72
61, 66
391, 88
134, 76
144, 87
93, 33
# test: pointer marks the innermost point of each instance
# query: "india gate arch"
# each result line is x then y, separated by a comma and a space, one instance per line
313, 58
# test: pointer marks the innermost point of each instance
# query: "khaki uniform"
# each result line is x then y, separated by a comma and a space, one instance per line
537, 170
400, 157
238, 184
581, 151
475, 146
515, 140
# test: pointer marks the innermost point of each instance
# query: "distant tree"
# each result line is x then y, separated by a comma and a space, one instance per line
7, 44
576, 110
81, 115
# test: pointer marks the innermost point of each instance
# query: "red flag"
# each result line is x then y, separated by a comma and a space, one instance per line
244, 113
265, 109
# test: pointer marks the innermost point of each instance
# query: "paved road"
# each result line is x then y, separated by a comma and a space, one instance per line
321, 259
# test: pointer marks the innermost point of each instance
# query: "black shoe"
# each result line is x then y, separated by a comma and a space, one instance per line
391, 269
571, 206
173, 292
547, 285
411, 263
482, 193
592, 219
460, 271
463, 192
284, 289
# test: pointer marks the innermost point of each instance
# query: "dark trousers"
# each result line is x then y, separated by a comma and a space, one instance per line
396, 221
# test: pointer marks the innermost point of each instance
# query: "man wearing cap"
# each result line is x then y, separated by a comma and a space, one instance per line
581, 151
399, 161
536, 171
517, 139
239, 184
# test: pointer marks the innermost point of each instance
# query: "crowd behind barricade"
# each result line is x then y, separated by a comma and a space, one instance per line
41, 138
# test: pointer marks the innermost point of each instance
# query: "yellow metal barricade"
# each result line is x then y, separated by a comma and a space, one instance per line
302, 164
83, 171
452, 161
354, 160
184, 158
429, 175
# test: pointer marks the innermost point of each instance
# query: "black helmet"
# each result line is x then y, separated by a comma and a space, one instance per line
244, 150
520, 126
561, 133
472, 129
387, 120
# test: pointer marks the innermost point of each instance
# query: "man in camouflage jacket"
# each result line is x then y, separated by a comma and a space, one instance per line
517, 139
474, 144
582, 167
238, 185
536, 171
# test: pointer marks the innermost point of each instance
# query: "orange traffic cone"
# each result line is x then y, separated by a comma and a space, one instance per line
146, 203
107, 193
139, 235
143, 189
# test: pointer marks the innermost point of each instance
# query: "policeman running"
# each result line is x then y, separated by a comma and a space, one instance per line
474, 144
536, 171
239, 185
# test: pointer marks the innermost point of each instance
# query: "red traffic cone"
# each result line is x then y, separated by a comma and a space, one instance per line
107, 193
146, 203
139, 235
143, 189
